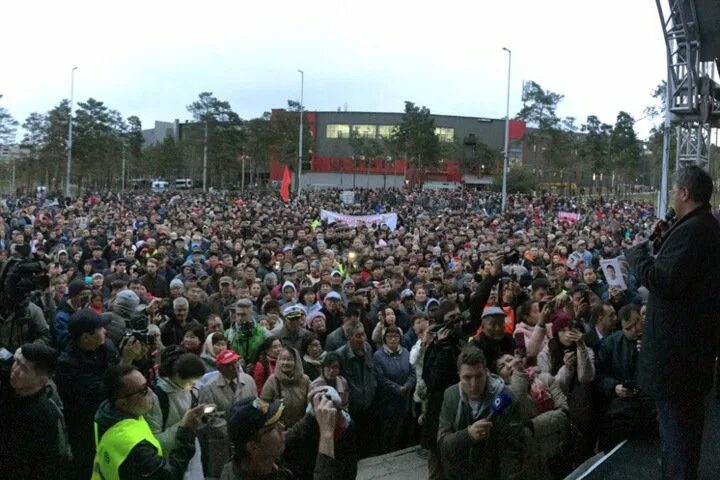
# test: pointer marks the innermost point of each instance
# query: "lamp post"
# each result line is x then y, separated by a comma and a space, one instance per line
69, 142
507, 134
300, 136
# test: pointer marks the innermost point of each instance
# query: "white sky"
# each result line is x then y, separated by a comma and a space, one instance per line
152, 58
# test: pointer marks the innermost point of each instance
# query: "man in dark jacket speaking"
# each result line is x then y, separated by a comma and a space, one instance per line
681, 335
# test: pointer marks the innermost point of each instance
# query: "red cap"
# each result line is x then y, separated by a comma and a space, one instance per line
226, 356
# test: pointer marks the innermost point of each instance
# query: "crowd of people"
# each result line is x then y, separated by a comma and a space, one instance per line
236, 336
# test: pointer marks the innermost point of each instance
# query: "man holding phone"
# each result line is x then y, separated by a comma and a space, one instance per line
630, 412
126, 447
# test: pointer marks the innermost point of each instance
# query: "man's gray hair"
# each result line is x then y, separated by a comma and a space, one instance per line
697, 182
180, 302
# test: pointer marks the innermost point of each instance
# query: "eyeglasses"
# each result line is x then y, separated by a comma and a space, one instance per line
143, 391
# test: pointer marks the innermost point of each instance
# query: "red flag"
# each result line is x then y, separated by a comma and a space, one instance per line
285, 185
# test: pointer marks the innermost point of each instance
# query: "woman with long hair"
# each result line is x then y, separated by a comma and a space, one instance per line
266, 362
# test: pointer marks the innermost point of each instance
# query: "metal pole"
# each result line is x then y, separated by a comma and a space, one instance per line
242, 181
205, 148
662, 204
507, 133
300, 135
69, 157
123, 167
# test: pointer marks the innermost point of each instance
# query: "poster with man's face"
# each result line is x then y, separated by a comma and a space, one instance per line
613, 273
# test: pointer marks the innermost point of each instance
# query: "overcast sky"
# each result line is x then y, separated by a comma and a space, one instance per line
152, 58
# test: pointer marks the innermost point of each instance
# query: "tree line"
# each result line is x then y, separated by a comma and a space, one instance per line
557, 149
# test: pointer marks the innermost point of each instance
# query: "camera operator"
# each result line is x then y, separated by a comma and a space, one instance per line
79, 378
21, 321
439, 372
121, 311
127, 448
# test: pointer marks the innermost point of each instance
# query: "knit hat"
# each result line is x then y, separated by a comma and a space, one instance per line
176, 283
127, 300
560, 319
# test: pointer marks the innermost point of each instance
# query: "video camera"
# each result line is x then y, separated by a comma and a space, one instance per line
138, 329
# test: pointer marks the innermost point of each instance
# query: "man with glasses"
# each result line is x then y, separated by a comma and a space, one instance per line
682, 332
126, 447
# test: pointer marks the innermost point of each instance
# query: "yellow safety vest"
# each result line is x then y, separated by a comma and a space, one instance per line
117, 443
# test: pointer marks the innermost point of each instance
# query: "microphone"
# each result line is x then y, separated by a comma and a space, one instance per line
664, 223
500, 404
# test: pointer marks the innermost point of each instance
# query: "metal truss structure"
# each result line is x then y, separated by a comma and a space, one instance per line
692, 38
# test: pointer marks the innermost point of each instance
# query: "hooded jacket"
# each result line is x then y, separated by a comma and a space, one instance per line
292, 389
499, 456
179, 401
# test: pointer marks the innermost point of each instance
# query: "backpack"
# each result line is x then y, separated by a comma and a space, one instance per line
165, 402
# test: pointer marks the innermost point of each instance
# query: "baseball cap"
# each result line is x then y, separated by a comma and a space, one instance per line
333, 296
85, 321
226, 280
226, 356
248, 416
491, 311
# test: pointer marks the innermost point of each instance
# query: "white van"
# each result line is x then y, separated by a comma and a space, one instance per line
183, 184
159, 186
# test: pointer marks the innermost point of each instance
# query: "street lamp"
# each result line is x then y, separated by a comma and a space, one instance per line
300, 136
507, 134
69, 142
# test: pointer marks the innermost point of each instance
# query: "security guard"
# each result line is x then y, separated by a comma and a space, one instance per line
126, 447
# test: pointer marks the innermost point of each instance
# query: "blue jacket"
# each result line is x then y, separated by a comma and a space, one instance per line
393, 371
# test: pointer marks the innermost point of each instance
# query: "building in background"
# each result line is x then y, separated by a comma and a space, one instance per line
333, 162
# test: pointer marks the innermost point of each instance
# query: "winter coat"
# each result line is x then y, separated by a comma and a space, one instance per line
546, 433
439, 372
31, 327
536, 337
313, 366
335, 339
246, 343
179, 401
156, 285
585, 369
143, 460
79, 380
617, 362
360, 374
31, 438
332, 320
681, 333
116, 328
499, 456
292, 389
293, 339
393, 371
60, 325
261, 373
